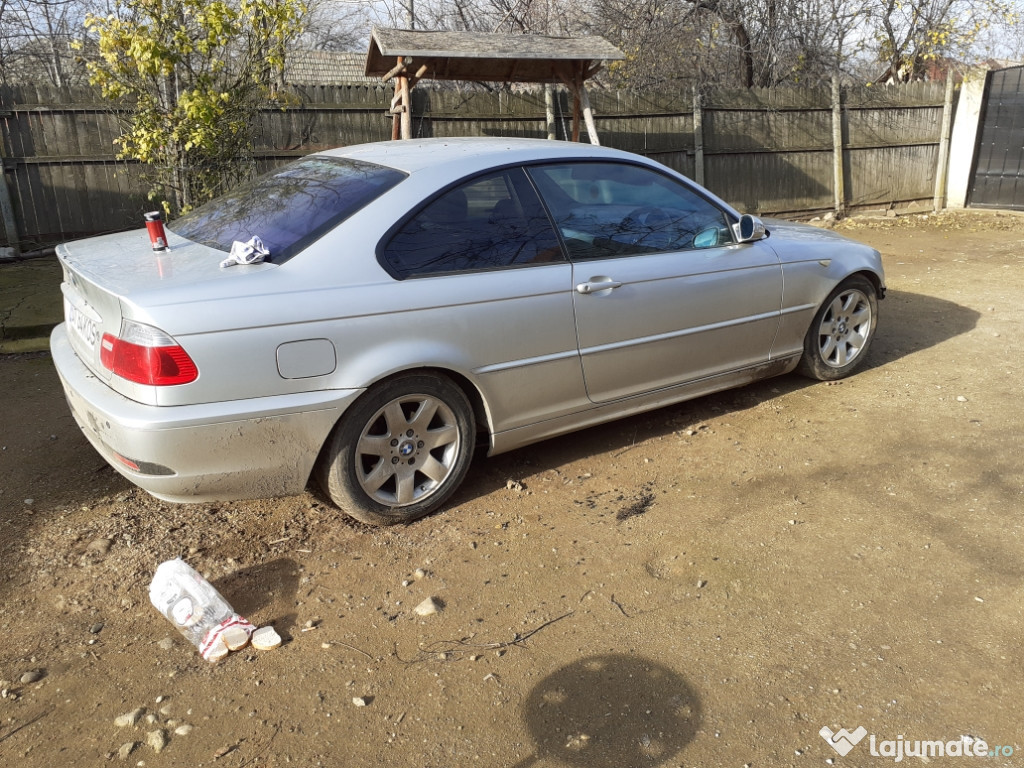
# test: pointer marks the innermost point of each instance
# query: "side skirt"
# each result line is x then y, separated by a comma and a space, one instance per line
511, 439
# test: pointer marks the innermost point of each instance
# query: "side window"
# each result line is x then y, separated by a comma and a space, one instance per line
490, 222
615, 209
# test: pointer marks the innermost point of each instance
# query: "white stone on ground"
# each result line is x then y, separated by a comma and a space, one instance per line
129, 718
428, 607
157, 740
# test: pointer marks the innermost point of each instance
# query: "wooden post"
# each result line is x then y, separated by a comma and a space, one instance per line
698, 137
406, 116
942, 170
7, 210
575, 114
7, 206
588, 116
549, 110
395, 121
837, 149
418, 76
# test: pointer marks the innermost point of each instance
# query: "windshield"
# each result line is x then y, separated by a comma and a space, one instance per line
289, 207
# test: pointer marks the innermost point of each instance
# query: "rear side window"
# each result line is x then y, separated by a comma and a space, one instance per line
490, 222
290, 207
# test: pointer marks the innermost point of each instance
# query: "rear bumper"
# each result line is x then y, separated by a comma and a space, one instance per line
242, 449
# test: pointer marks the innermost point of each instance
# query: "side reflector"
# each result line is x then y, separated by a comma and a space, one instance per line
143, 467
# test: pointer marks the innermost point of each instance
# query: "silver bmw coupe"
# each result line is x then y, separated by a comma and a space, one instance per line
415, 300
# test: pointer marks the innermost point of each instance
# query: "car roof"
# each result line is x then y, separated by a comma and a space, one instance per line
421, 154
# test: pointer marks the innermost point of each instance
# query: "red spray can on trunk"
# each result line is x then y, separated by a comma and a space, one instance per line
155, 227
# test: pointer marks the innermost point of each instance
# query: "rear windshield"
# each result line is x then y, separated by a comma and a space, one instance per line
289, 207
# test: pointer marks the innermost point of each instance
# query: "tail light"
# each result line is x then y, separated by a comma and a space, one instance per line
147, 355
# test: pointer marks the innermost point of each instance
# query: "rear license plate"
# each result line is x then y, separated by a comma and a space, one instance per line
81, 325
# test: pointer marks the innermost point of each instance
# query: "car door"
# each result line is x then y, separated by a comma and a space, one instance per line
485, 288
663, 294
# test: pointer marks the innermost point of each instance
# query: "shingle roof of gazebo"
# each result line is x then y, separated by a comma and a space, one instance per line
485, 56
305, 67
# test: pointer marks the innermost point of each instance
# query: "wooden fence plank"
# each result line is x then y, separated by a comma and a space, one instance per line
890, 174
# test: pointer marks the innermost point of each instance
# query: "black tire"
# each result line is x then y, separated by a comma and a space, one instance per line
400, 451
842, 330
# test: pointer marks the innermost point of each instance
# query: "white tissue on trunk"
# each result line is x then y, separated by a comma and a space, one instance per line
252, 252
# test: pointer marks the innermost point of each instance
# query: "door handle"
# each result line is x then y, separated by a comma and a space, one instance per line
597, 284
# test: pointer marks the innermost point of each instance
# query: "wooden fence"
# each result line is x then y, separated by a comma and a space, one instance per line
765, 151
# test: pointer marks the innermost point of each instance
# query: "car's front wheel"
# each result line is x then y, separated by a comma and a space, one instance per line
841, 332
400, 451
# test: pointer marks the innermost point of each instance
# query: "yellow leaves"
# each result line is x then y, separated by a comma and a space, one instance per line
219, 23
193, 71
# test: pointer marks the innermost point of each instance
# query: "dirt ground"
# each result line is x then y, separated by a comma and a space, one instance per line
706, 585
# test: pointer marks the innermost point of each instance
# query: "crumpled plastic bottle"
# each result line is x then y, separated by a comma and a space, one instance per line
195, 607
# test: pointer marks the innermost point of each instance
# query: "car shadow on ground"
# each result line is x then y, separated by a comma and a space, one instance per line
610, 711
908, 323
911, 322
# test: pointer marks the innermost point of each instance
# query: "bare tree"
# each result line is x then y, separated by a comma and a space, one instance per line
679, 42
551, 17
334, 26
912, 33
1003, 39
36, 38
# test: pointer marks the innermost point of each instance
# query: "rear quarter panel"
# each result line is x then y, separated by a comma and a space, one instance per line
510, 332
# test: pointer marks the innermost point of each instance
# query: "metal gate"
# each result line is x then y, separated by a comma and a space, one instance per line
998, 177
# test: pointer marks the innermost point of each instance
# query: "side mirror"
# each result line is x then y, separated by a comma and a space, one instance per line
751, 228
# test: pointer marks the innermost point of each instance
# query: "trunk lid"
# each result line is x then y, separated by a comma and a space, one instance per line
104, 277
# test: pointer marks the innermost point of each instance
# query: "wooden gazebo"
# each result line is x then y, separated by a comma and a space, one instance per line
411, 55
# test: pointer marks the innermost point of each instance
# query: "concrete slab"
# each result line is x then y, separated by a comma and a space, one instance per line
30, 304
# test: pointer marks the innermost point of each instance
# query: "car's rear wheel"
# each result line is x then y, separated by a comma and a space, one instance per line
841, 332
400, 451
